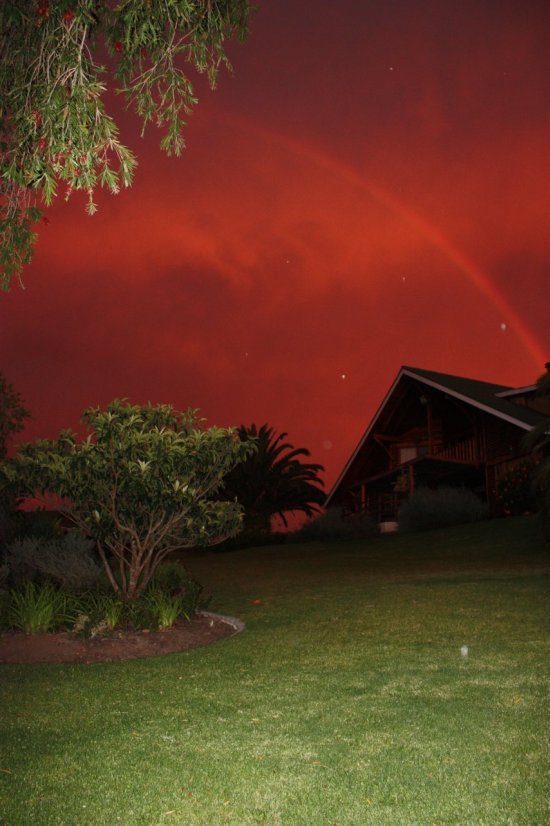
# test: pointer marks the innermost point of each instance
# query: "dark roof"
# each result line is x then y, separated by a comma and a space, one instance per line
481, 394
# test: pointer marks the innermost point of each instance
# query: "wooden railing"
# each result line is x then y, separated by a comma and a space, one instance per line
463, 450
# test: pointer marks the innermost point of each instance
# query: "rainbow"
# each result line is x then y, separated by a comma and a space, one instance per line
427, 229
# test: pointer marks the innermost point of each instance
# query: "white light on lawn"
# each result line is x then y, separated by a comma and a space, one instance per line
464, 650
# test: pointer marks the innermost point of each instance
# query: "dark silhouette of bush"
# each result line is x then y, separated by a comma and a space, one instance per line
427, 508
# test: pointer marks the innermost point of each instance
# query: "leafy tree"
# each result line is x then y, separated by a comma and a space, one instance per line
12, 414
273, 481
142, 484
12, 420
57, 57
538, 441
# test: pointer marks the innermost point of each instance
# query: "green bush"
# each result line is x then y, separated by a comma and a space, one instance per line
98, 613
42, 603
68, 561
37, 608
334, 524
517, 489
173, 579
434, 508
170, 576
164, 608
170, 594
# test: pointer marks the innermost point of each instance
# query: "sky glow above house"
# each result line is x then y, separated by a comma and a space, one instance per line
369, 190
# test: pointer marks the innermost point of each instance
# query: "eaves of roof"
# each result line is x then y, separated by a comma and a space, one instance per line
518, 391
483, 395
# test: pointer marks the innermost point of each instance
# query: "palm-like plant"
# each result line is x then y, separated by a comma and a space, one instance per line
273, 481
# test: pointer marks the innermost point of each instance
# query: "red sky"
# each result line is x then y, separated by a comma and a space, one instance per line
369, 190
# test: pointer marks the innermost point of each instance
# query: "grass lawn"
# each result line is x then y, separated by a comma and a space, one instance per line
346, 701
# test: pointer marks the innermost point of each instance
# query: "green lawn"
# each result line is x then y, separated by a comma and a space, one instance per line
345, 701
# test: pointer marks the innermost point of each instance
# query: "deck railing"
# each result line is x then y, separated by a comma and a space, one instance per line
463, 450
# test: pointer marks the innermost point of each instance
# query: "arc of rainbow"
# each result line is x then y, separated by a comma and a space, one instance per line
465, 265
426, 228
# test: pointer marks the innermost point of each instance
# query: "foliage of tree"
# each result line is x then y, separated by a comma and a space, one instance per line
516, 490
12, 414
142, 484
56, 60
273, 480
12, 420
538, 441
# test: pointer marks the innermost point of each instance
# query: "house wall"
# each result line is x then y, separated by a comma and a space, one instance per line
502, 441
533, 401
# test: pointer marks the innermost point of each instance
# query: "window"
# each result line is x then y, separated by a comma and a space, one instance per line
406, 454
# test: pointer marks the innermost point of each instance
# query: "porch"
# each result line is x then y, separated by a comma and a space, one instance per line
382, 495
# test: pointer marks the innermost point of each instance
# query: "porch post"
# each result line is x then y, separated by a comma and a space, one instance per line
430, 427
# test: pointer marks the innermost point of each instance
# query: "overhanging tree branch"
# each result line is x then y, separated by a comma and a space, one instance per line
54, 128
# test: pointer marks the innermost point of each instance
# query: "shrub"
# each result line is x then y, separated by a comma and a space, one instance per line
173, 579
427, 508
142, 485
164, 608
98, 613
334, 524
37, 608
43, 604
170, 576
68, 561
517, 489
170, 594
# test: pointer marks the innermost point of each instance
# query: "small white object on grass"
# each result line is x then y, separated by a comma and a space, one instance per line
464, 650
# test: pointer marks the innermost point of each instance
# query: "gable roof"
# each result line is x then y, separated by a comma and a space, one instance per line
492, 398
486, 396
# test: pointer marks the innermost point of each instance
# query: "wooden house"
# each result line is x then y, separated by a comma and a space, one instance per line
435, 429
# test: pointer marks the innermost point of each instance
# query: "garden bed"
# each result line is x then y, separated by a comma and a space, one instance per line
123, 644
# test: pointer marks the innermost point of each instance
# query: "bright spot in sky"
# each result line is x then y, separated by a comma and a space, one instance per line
503, 327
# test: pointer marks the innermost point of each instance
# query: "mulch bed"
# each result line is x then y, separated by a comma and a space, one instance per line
63, 647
